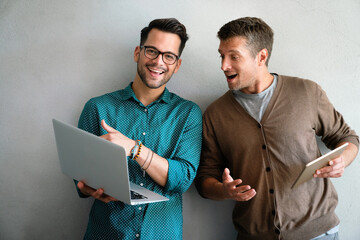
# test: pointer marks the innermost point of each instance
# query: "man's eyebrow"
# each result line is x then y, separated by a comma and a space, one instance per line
231, 51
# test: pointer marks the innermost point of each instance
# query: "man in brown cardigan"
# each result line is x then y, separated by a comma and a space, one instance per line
258, 136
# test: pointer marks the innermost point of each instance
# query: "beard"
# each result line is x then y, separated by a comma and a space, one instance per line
151, 82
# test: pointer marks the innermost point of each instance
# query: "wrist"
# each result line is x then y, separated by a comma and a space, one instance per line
145, 158
222, 189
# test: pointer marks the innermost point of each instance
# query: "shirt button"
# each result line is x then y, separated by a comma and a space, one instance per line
144, 133
137, 235
140, 208
141, 184
145, 110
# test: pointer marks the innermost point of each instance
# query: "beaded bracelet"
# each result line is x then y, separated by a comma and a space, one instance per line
135, 148
138, 153
135, 152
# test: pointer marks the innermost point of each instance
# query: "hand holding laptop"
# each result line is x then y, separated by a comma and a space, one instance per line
95, 193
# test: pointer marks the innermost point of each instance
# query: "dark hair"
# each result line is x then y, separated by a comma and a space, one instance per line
257, 33
171, 25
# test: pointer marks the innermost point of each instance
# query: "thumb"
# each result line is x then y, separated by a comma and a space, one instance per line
107, 127
226, 176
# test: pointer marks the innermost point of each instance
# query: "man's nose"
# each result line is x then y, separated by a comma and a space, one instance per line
159, 60
225, 65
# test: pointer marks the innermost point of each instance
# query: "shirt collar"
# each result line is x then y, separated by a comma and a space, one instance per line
128, 93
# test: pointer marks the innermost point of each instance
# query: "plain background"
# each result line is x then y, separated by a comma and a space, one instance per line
55, 55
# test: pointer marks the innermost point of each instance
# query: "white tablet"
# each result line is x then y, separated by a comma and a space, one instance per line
310, 168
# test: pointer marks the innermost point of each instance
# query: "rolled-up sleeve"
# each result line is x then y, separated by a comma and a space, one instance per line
184, 164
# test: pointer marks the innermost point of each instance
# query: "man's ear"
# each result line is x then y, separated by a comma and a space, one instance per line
178, 64
137, 53
263, 56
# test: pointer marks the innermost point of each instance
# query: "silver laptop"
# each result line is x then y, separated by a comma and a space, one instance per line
99, 163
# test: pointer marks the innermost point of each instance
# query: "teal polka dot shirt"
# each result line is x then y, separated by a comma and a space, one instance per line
171, 127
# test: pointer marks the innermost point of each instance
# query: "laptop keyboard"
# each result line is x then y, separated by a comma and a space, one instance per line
135, 195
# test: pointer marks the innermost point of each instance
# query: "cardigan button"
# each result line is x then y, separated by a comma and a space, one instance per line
264, 146
271, 191
268, 169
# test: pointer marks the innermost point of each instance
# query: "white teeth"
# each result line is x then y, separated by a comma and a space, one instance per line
155, 70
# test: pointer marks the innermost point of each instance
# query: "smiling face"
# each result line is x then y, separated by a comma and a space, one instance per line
241, 68
155, 73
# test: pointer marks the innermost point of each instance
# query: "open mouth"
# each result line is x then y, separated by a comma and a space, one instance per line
156, 70
229, 77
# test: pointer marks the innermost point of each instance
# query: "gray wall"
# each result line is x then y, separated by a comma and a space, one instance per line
55, 55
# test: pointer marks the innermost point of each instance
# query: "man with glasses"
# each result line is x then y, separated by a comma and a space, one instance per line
161, 133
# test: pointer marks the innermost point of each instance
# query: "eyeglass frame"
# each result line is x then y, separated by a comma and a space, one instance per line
159, 52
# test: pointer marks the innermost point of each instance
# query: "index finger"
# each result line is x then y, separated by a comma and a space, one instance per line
325, 169
235, 183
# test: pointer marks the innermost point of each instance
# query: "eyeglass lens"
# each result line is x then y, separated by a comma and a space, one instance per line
153, 53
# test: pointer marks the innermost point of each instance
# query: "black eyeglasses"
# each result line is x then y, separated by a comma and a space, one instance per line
153, 53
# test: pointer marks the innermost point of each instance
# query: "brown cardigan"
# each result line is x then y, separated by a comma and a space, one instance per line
269, 156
